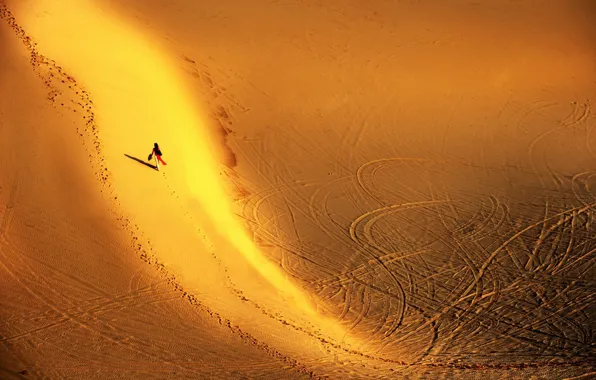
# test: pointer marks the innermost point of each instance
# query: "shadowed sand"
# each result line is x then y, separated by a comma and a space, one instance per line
379, 190
141, 162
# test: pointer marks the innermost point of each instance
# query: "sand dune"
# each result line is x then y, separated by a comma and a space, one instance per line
379, 190
77, 302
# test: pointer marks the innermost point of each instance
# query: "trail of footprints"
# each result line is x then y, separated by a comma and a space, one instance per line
64, 92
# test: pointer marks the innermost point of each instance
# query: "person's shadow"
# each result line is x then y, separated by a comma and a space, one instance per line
142, 162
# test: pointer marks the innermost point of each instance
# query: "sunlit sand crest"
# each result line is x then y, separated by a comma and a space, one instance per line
84, 33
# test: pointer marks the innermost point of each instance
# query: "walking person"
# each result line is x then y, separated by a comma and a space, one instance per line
157, 153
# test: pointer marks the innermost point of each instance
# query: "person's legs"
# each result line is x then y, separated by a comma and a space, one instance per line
156, 162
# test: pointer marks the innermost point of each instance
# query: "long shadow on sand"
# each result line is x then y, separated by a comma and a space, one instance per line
141, 162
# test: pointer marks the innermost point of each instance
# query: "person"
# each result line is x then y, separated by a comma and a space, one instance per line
157, 153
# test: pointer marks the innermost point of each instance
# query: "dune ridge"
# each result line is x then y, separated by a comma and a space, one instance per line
59, 85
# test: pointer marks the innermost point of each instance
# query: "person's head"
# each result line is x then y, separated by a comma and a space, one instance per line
155, 145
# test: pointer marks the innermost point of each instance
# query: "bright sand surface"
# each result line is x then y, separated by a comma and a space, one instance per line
354, 189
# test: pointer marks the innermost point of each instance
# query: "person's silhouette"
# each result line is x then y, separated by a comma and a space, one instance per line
157, 153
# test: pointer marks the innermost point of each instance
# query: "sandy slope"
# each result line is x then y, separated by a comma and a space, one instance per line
423, 173
76, 300
424, 169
